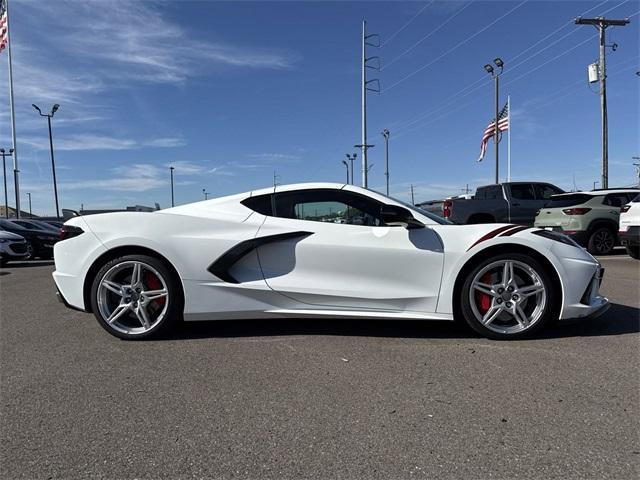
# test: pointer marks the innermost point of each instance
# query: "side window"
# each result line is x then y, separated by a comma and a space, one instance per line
544, 192
522, 192
492, 193
329, 206
481, 193
615, 199
260, 204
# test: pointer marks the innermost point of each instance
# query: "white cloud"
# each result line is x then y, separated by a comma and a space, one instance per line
99, 142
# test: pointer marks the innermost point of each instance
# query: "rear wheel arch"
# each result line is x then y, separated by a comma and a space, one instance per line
119, 252
498, 250
602, 222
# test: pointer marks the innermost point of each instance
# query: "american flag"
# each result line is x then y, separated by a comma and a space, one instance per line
503, 124
3, 25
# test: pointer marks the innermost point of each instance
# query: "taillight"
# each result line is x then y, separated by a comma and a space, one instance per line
446, 208
625, 208
69, 231
575, 211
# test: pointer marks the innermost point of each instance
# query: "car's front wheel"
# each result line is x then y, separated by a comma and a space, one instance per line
136, 296
508, 296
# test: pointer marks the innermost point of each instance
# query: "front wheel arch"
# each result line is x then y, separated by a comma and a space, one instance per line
120, 252
501, 249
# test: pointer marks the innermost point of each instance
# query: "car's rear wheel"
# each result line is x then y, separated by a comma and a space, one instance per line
601, 241
508, 296
135, 297
633, 252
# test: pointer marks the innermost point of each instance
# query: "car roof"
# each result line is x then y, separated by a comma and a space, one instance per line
596, 193
298, 186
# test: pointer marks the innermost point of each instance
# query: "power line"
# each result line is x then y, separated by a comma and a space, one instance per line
433, 32
407, 24
458, 45
482, 81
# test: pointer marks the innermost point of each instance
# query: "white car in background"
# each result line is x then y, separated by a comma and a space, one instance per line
319, 250
12, 247
629, 230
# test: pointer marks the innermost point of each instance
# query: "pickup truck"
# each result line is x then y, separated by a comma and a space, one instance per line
513, 202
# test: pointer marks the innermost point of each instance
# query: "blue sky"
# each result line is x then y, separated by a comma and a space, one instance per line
228, 92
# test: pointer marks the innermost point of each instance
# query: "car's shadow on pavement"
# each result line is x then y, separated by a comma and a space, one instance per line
620, 319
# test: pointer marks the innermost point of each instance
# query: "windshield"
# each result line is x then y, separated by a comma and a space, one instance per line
10, 225
420, 211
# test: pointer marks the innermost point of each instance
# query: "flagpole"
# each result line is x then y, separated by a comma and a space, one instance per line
509, 140
16, 171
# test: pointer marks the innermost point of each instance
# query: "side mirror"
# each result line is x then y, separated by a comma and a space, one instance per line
394, 215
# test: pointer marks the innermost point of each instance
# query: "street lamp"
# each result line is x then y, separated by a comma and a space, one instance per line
30, 214
351, 159
385, 134
4, 172
49, 116
173, 204
496, 75
205, 193
346, 165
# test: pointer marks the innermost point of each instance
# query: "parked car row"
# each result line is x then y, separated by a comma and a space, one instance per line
598, 219
25, 239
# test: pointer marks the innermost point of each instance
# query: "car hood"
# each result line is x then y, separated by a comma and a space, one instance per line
10, 236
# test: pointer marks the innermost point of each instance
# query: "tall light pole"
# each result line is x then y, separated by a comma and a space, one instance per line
351, 159
385, 134
49, 116
496, 78
4, 173
205, 193
347, 166
601, 24
29, 195
173, 203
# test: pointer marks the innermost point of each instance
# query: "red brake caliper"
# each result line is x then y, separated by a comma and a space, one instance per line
153, 283
484, 300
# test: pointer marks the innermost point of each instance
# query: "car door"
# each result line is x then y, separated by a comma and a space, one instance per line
523, 203
345, 257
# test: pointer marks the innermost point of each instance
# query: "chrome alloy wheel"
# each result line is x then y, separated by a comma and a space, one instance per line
508, 296
132, 297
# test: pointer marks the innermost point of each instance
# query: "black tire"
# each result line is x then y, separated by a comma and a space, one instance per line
601, 241
30, 252
548, 313
634, 252
174, 299
3, 263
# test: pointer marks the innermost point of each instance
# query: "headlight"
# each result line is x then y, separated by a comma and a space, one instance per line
556, 236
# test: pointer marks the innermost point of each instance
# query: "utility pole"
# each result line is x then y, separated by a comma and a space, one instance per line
4, 172
364, 88
594, 184
173, 203
385, 134
30, 214
413, 201
351, 158
602, 24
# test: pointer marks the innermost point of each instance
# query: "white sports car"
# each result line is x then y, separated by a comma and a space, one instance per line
319, 250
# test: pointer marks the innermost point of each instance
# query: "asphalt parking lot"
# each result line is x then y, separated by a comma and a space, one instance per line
316, 399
